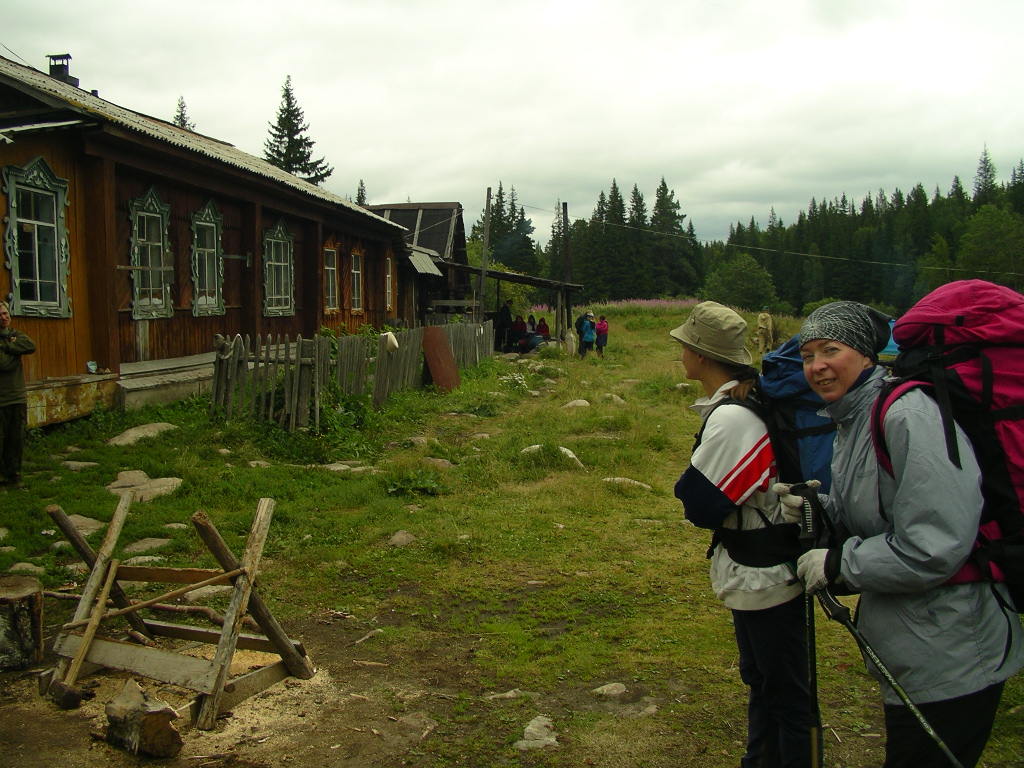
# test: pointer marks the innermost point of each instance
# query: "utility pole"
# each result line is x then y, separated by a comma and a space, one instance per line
566, 322
483, 259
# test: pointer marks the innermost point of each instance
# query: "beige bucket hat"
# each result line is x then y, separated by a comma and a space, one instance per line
715, 331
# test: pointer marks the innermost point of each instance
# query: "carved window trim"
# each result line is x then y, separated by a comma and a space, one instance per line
389, 283
151, 285
37, 177
357, 280
205, 260
278, 271
332, 297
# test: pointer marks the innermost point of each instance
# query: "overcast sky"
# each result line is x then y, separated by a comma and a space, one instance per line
741, 105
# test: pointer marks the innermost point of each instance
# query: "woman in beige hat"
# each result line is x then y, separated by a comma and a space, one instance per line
728, 488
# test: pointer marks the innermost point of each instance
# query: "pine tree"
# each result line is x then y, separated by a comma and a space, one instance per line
986, 189
361, 193
288, 147
181, 118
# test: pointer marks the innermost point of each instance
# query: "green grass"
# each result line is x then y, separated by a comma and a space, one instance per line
528, 569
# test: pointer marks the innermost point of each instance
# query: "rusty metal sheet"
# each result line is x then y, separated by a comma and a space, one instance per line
440, 361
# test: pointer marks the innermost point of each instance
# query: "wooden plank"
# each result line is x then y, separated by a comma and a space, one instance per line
210, 636
94, 582
246, 685
195, 674
244, 378
258, 609
286, 381
164, 575
305, 384
235, 612
297, 403
255, 378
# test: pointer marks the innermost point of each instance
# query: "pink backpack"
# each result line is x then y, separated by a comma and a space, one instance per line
963, 344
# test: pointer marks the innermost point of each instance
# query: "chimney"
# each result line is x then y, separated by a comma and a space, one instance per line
59, 68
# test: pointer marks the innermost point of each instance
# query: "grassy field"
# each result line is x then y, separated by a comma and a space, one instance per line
542, 575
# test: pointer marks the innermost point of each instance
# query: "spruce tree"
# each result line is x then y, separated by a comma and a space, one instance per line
361, 193
181, 118
288, 146
986, 190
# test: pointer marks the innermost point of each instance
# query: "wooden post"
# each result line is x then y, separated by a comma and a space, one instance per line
483, 261
95, 580
89, 558
21, 622
235, 612
298, 664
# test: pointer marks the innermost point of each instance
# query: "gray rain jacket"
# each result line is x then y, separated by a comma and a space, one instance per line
939, 641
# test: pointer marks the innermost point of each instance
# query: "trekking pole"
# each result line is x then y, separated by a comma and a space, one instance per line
840, 613
808, 539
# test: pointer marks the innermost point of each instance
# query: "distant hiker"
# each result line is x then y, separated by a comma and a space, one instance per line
948, 644
728, 488
589, 334
765, 331
602, 335
503, 326
542, 328
13, 398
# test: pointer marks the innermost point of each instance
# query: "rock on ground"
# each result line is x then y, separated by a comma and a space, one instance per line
133, 435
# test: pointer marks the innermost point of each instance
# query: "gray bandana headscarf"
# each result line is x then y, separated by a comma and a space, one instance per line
856, 325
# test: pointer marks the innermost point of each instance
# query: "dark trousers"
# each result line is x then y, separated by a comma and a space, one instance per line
963, 723
773, 663
12, 437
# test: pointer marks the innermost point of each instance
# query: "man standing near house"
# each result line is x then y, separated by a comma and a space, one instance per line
13, 398
503, 327
765, 331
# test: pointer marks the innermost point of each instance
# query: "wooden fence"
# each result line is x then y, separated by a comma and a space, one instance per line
282, 381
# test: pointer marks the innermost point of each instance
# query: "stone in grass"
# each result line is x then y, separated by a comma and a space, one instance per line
3, 533
613, 398
139, 722
626, 481
577, 404
145, 545
401, 539
538, 734
86, 525
205, 593
78, 466
31, 568
133, 435
611, 689
438, 463
562, 449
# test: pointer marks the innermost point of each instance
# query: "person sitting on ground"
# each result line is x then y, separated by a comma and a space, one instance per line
531, 324
518, 331
542, 328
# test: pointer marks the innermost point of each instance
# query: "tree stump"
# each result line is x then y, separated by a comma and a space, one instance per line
139, 722
21, 622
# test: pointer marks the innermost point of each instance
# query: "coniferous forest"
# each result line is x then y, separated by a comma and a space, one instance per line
887, 249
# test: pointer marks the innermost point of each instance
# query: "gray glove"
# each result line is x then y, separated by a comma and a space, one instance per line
793, 505
812, 570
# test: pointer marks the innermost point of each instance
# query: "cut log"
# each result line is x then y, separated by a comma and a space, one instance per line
138, 722
21, 622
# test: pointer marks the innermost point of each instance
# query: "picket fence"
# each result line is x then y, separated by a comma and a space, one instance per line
282, 380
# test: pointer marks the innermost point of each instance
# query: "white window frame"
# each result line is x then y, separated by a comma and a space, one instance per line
207, 263
357, 281
39, 280
151, 258
278, 272
331, 279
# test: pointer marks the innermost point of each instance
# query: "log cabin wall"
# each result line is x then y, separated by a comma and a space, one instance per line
63, 345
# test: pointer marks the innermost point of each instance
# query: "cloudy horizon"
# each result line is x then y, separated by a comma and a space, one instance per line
742, 109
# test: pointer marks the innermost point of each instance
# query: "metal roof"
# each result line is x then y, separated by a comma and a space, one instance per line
436, 226
423, 260
85, 103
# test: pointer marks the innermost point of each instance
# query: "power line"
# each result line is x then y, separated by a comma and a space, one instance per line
16, 55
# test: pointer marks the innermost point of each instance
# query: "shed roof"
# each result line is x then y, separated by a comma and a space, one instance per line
57, 94
436, 226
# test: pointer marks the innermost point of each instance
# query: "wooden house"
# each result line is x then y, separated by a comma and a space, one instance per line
436, 236
130, 242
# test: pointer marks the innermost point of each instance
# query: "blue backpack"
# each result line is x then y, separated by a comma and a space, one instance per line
801, 439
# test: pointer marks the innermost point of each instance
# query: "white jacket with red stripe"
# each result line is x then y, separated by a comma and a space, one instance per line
732, 471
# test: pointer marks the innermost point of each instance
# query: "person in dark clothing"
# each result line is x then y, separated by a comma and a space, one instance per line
13, 398
503, 326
